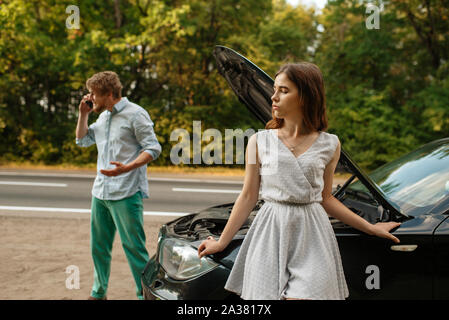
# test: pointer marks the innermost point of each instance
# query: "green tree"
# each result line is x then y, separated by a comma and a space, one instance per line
377, 79
387, 89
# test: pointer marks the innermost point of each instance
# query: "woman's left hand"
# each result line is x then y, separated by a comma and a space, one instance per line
382, 230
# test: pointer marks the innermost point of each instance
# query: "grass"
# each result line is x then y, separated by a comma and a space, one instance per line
42, 166
213, 170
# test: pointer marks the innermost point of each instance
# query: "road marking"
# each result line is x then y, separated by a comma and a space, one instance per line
195, 180
47, 174
205, 190
34, 184
74, 210
17, 208
168, 214
90, 176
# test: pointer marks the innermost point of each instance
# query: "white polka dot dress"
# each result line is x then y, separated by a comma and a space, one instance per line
290, 250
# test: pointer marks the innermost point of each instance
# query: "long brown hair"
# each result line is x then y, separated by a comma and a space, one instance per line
308, 79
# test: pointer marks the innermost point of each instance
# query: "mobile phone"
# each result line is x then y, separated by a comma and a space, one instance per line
89, 103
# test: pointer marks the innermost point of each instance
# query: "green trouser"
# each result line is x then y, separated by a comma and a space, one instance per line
126, 216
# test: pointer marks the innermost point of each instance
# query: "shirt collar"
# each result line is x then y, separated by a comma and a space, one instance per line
119, 105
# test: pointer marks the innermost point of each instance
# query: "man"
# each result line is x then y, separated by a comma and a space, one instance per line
126, 142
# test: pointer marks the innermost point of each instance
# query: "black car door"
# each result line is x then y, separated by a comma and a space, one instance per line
441, 243
377, 268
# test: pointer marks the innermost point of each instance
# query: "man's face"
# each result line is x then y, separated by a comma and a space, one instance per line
101, 102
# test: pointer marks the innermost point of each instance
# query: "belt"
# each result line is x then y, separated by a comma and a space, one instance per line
289, 203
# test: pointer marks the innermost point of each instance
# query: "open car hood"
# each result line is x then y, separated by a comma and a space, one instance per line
254, 88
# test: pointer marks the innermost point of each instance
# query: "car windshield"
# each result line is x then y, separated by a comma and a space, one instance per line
416, 181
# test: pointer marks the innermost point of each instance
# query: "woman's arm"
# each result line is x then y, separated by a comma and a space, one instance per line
339, 211
243, 205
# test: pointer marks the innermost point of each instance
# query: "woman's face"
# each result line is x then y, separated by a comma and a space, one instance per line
285, 100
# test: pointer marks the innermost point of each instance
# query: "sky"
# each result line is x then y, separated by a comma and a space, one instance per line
318, 3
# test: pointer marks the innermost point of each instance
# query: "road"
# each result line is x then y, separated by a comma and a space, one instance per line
54, 193
45, 227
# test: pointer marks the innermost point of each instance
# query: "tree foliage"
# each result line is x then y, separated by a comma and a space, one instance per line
387, 88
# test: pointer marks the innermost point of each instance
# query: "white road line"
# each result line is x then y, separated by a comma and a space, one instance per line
168, 214
150, 178
205, 190
16, 208
34, 184
47, 174
73, 210
195, 180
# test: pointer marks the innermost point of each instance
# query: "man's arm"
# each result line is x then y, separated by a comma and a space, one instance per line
120, 168
151, 149
82, 127
145, 135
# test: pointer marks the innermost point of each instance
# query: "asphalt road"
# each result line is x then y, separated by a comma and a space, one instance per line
68, 194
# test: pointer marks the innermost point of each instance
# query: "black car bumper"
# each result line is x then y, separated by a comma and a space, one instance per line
157, 285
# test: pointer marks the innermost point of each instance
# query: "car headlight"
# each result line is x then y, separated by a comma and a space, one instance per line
180, 261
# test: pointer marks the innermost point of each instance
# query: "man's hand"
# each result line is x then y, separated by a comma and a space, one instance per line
119, 169
83, 107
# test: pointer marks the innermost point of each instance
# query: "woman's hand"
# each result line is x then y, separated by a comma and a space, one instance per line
209, 246
382, 230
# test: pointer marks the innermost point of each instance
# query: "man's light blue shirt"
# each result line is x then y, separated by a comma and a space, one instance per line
121, 135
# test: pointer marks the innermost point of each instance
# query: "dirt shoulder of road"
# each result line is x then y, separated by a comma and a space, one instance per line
36, 253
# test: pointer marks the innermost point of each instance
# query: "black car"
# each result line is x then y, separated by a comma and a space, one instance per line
413, 189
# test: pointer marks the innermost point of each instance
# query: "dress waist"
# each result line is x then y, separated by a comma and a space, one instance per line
290, 203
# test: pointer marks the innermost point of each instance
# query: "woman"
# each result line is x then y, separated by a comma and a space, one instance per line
290, 250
